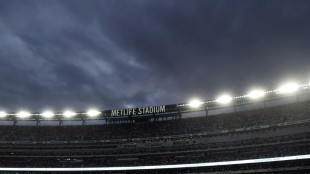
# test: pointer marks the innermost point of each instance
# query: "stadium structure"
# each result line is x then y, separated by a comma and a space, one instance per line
260, 132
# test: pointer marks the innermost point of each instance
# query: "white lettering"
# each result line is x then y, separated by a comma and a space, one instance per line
162, 108
138, 111
151, 110
113, 113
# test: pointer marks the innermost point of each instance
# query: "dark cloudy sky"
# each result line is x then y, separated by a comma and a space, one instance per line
132, 53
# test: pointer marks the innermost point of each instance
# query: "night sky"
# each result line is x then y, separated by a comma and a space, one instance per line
135, 53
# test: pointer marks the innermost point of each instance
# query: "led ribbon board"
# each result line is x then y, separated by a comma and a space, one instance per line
176, 166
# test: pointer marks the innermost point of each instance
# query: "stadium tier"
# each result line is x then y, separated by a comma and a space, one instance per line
164, 111
278, 131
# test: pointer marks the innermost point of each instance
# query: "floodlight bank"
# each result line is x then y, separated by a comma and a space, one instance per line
225, 99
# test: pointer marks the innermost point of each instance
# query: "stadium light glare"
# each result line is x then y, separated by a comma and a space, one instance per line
69, 114
93, 113
255, 94
3, 114
23, 114
195, 103
289, 88
224, 99
47, 114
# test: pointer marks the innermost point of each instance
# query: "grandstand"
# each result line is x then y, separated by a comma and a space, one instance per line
266, 139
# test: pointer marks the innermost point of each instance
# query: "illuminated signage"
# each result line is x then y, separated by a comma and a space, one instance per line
138, 111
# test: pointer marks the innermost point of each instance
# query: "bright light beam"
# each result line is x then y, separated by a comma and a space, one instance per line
255, 94
195, 103
289, 88
47, 114
23, 114
224, 99
69, 114
93, 113
3, 114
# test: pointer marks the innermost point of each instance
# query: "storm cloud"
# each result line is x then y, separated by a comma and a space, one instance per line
116, 54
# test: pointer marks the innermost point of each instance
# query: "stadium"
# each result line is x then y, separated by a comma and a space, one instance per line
259, 132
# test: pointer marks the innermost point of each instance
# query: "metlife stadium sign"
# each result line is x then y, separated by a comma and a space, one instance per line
138, 111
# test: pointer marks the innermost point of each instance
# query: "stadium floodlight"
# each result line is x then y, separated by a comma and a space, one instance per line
224, 99
47, 114
23, 114
3, 114
289, 88
195, 103
69, 114
255, 94
93, 113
